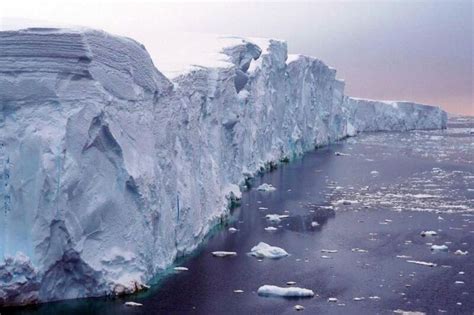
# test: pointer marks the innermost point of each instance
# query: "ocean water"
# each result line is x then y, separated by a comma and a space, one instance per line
370, 205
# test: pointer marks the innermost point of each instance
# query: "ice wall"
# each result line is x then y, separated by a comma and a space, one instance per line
109, 170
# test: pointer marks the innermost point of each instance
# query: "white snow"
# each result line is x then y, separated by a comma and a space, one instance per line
116, 166
272, 290
263, 250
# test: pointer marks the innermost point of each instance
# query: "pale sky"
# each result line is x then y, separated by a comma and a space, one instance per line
394, 50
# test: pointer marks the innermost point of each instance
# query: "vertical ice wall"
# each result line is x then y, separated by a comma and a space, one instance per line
109, 170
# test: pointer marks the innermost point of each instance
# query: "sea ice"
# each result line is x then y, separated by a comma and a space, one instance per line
266, 187
263, 250
272, 290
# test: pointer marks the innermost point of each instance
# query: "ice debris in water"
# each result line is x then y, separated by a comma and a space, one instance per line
299, 307
273, 290
181, 269
276, 218
332, 300
270, 229
133, 304
223, 254
314, 224
422, 263
340, 154
266, 187
439, 248
460, 252
263, 250
428, 233
232, 230
399, 311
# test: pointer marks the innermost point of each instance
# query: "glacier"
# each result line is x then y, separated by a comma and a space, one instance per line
112, 164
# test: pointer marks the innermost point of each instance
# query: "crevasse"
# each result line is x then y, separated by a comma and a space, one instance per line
109, 169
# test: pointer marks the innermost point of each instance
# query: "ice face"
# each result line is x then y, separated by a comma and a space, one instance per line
109, 169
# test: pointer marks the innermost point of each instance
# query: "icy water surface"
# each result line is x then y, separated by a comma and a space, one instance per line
353, 233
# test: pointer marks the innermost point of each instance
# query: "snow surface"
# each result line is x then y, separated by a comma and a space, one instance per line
110, 169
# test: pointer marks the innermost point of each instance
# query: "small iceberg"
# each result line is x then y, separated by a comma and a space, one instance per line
270, 229
181, 269
428, 233
461, 253
266, 187
263, 250
273, 290
276, 218
422, 263
340, 154
232, 230
223, 254
133, 304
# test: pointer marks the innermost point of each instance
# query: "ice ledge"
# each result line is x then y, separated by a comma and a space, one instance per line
110, 170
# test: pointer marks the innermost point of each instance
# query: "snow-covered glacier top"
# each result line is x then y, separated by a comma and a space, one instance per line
113, 164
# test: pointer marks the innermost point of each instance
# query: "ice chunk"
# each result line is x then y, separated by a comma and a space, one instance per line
263, 250
180, 269
460, 252
133, 304
266, 187
270, 229
232, 230
272, 290
276, 218
422, 263
428, 233
299, 307
223, 254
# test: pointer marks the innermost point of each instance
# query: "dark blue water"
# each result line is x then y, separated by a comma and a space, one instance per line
397, 184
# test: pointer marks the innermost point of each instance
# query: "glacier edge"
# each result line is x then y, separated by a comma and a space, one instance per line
110, 169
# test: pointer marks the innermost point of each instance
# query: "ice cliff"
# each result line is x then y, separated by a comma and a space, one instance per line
110, 169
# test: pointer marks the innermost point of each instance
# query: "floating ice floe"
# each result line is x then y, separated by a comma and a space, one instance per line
359, 299
232, 230
314, 224
428, 233
422, 263
180, 269
299, 307
263, 250
341, 154
374, 298
238, 291
375, 173
270, 229
290, 283
359, 250
439, 248
461, 253
276, 218
266, 187
273, 290
332, 300
399, 311
330, 251
133, 304
223, 254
